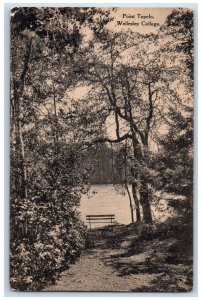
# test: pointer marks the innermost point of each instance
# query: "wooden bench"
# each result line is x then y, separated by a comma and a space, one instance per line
100, 219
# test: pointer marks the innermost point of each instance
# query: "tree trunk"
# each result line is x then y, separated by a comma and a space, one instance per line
145, 201
135, 194
131, 203
126, 184
144, 194
16, 126
21, 176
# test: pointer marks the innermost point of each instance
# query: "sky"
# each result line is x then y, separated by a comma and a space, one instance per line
140, 20
137, 19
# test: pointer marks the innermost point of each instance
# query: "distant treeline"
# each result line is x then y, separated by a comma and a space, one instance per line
105, 170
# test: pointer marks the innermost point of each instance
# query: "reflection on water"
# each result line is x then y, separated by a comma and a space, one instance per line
105, 199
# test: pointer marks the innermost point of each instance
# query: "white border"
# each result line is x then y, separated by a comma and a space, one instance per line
4, 154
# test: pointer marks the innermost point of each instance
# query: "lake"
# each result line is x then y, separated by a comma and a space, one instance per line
105, 199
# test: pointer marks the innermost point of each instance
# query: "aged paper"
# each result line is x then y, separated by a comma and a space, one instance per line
101, 139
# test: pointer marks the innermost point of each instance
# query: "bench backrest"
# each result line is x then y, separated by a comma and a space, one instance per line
99, 217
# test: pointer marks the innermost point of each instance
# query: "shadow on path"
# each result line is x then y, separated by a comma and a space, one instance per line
113, 262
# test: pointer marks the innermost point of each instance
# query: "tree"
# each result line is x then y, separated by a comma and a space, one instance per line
46, 177
38, 39
176, 164
126, 176
179, 27
129, 87
175, 161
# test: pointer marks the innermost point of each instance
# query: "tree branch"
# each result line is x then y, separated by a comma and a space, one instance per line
108, 140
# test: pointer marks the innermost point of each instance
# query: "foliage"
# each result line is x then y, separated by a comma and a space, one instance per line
172, 228
179, 26
46, 233
175, 160
107, 164
178, 154
136, 93
132, 90
45, 247
47, 170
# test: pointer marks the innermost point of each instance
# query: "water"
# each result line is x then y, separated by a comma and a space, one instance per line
105, 199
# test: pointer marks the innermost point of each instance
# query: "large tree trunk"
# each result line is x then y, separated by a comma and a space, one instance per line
140, 185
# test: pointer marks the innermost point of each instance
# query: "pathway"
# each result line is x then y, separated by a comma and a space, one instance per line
109, 266
94, 272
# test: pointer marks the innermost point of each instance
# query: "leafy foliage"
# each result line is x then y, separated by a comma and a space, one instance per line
175, 164
175, 161
47, 170
180, 25
46, 233
135, 90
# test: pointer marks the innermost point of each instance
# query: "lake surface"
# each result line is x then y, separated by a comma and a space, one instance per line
105, 199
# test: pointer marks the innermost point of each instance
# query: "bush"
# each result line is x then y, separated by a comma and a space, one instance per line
46, 232
43, 248
172, 228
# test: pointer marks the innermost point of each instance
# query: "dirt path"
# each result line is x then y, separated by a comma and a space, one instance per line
94, 272
113, 264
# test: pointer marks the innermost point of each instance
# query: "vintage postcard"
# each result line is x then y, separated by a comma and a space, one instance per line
101, 149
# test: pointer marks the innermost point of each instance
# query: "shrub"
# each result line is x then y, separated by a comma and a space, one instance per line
46, 232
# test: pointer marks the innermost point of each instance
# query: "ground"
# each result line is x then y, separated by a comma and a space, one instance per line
131, 258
